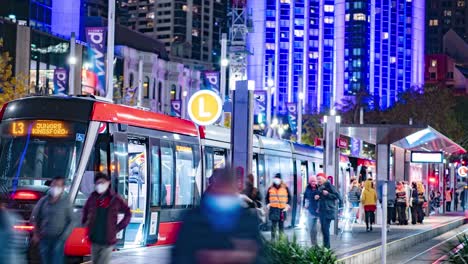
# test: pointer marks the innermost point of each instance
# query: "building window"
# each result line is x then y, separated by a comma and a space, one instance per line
270, 24
433, 75
392, 59
447, 12
347, 17
285, 1
433, 63
298, 33
461, 4
328, 20
359, 17
357, 52
329, 8
385, 35
450, 75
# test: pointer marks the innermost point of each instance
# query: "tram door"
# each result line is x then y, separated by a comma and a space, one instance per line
130, 159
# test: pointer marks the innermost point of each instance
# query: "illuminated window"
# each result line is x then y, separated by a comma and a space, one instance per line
329, 8
433, 22
299, 33
385, 35
392, 59
461, 4
347, 17
328, 20
433, 63
184, 8
447, 12
359, 17
285, 1
270, 24
313, 55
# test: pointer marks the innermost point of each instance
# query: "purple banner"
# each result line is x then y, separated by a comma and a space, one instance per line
96, 38
355, 147
212, 80
292, 116
60, 81
176, 106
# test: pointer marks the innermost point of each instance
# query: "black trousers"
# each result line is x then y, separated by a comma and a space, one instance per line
370, 218
447, 206
325, 225
391, 215
417, 213
274, 226
401, 212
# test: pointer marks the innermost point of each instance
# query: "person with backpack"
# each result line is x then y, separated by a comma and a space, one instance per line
219, 230
52, 220
278, 200
328, 197
100, 216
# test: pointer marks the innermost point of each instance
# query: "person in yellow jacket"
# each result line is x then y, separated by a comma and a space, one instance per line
278, 200
369, 201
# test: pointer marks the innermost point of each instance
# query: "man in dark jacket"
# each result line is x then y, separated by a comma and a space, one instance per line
311, 203
52, 219
100, 215
327, 207
220, 230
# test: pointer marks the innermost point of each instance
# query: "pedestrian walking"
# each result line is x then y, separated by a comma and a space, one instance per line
463, 198
311, 204
448, 199
12, 246
220, 230
456, 200
369, 200
278, 200
328, 198
417, 195
255, 198
100, 216
52, 220
409, 191
401, 204
354, 194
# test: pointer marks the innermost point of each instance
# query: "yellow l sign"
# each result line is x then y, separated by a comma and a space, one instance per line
205, 107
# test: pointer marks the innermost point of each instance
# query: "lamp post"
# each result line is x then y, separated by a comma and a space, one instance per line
110, 50
72, 62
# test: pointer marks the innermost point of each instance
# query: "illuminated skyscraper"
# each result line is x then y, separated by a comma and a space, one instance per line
337, 48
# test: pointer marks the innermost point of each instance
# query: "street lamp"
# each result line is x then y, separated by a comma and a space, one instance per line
72, 60
224, 62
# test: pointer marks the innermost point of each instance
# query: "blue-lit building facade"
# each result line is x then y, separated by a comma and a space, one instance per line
337, 48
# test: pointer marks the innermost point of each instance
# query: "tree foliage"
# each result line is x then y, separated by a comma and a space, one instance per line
11, 87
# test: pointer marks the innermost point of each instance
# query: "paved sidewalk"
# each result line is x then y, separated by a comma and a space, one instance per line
345, 245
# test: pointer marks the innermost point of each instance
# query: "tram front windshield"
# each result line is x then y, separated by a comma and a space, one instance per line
35, 151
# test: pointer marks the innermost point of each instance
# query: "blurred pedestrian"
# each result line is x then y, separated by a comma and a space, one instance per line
100, 216
52, 219
401, 204
369, 200
278, 200
448, 199
463, 198
220, 231
456, 200
255, 198
328, 198
311, 204
418, 199
12, 243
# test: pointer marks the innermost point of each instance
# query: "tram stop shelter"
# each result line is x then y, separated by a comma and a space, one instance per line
406, 137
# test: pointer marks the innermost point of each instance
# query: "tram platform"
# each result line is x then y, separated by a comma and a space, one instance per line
356, 247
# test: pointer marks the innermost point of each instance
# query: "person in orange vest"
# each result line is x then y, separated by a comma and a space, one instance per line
278, 199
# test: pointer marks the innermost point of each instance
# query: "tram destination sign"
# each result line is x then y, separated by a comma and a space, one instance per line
427, 157
41, 128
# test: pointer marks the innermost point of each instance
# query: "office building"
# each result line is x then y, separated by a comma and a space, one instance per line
442, 16
337, 48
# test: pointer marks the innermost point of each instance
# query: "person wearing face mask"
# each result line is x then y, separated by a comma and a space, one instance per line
220, 230
100, 216
52, 220
311, 203
277, 199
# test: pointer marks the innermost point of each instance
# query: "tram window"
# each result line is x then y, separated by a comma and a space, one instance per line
209, 163
98, 161
219, 159
121, 157
167, 176
185, 175
155, 188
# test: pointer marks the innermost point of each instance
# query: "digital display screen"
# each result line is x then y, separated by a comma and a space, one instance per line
427, 157
40, 128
